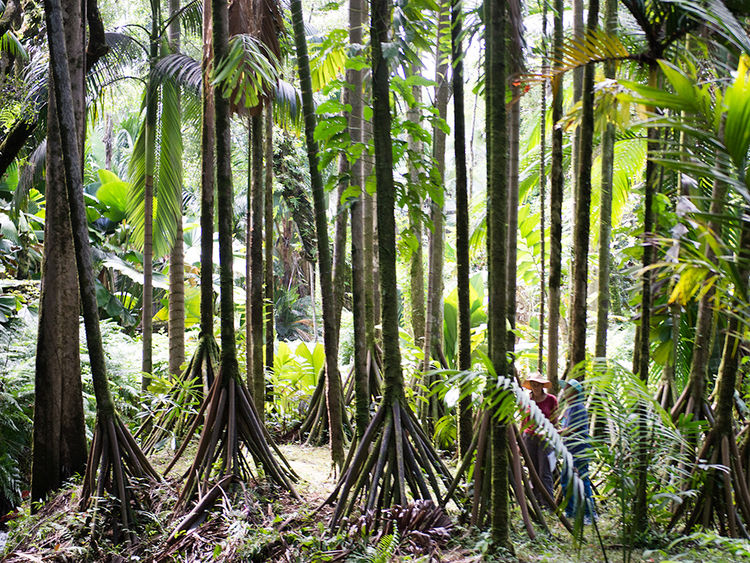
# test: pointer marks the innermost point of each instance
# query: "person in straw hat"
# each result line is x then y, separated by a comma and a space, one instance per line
535, 443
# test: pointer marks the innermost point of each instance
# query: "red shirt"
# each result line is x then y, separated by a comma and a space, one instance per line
548, 406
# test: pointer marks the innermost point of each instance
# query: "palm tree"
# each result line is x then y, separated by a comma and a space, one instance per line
605, 202
497, 208
333, 379
357, 13
394, 452
176, 327
231, 420
465, 431
557, 180
577, 353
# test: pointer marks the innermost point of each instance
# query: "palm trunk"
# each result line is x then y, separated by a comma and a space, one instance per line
107, 421
434, 320
643, 341
605, 208
357, 13
339, 241
497, 202
59, 439
268, 262
416, 268
229, 366
152, 101
255, 241
514, 131
543, 197
557, 180
208, 167
334, 392
463, 263
583, 208
176, 327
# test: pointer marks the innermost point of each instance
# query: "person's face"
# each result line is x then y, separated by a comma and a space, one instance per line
537, 388
570, 393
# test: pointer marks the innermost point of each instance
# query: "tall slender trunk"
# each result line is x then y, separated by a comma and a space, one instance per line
268, 262
497, 216
333, 379
731, 354
514, 131
339, 237
394, 381
357, 13
208, 170
643, 341
71, 156
152, 101
224, 197
255, 373
368, 218
543, 196
59, 437
416, 268
605, 207
463, 262
557, 180
434, 320
176, 326
583, 207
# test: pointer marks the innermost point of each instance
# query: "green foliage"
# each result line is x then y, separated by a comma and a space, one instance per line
478, 314
296, 367
292, 314
167, 173
249, 70
16, 411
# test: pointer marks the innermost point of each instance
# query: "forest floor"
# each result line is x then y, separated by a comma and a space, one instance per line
262, 526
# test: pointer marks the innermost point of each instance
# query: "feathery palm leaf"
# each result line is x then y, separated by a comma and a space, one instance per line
183, 70
190, 16
10, 44
719, 19
247, 73
167, 176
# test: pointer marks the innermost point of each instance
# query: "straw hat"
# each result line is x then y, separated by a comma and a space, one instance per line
536, 378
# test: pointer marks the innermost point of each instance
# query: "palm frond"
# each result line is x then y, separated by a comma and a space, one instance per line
190, 17
287, 107
169, 186
124, 59
10, 44
715, 15
247, 73
182, 69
